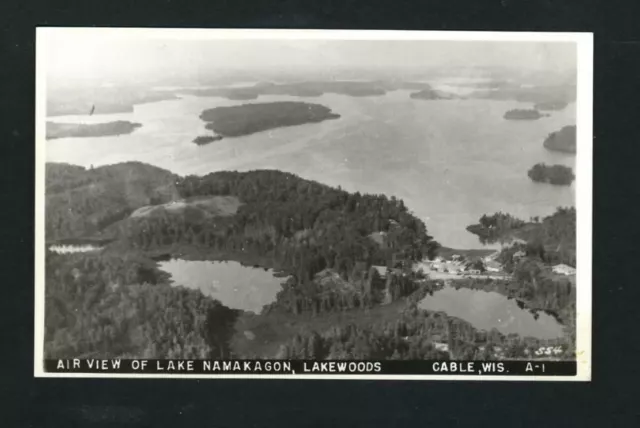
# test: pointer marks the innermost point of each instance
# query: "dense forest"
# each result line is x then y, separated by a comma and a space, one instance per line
496, 227
351, 290
417, 334
291, 224
113, 306
552, 240
234, 121
558, 175
563, 140
70, 130
81, 202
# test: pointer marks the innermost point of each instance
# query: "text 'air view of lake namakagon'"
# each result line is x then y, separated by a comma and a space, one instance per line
449, 160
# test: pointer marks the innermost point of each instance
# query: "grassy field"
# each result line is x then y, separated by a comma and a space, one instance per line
217, 206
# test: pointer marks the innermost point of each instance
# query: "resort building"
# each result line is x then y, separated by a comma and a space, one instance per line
563, 269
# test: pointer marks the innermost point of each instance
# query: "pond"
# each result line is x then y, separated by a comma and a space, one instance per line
233, 284
488, 310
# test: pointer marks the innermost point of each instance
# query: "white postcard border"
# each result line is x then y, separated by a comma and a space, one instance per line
584, 176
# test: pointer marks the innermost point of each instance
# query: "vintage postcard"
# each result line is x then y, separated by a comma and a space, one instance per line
313, 204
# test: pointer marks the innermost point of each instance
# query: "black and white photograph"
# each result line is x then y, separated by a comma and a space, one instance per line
313, 204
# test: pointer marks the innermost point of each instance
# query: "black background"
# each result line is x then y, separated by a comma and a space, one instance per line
609, 400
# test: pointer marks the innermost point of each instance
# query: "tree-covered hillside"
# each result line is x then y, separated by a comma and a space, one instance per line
118, 307
347, 255
81, 202
554, 236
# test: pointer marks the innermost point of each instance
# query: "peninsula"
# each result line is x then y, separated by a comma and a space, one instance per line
235, 121
563, 140
69, 130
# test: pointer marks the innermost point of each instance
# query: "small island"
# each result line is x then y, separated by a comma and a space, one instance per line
551, 105
558, 175
563, 140
431, 94
523, 114
235, 121
201, 140
496, 227
70, 130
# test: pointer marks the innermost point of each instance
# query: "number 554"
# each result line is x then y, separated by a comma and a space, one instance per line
548, 350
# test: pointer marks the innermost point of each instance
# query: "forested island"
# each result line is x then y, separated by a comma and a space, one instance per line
563, 140
559, 175
202, 140
235, 121
335, 304
70, 130
523, 114
431, 94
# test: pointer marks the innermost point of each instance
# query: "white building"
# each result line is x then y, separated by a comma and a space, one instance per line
440, 346
563, 269
382, 270
493, 266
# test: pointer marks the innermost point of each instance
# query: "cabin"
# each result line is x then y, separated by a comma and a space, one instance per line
441, 346
492, 266
563, 269
382, 270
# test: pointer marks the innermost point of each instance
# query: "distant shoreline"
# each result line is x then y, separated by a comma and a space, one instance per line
75, 130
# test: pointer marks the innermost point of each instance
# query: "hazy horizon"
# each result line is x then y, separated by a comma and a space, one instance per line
94, 56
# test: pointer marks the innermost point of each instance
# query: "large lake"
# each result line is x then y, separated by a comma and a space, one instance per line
451, 161
488, 310
234, 285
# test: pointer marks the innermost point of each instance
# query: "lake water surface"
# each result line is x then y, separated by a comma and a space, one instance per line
234, 285
450, 160
488, 310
